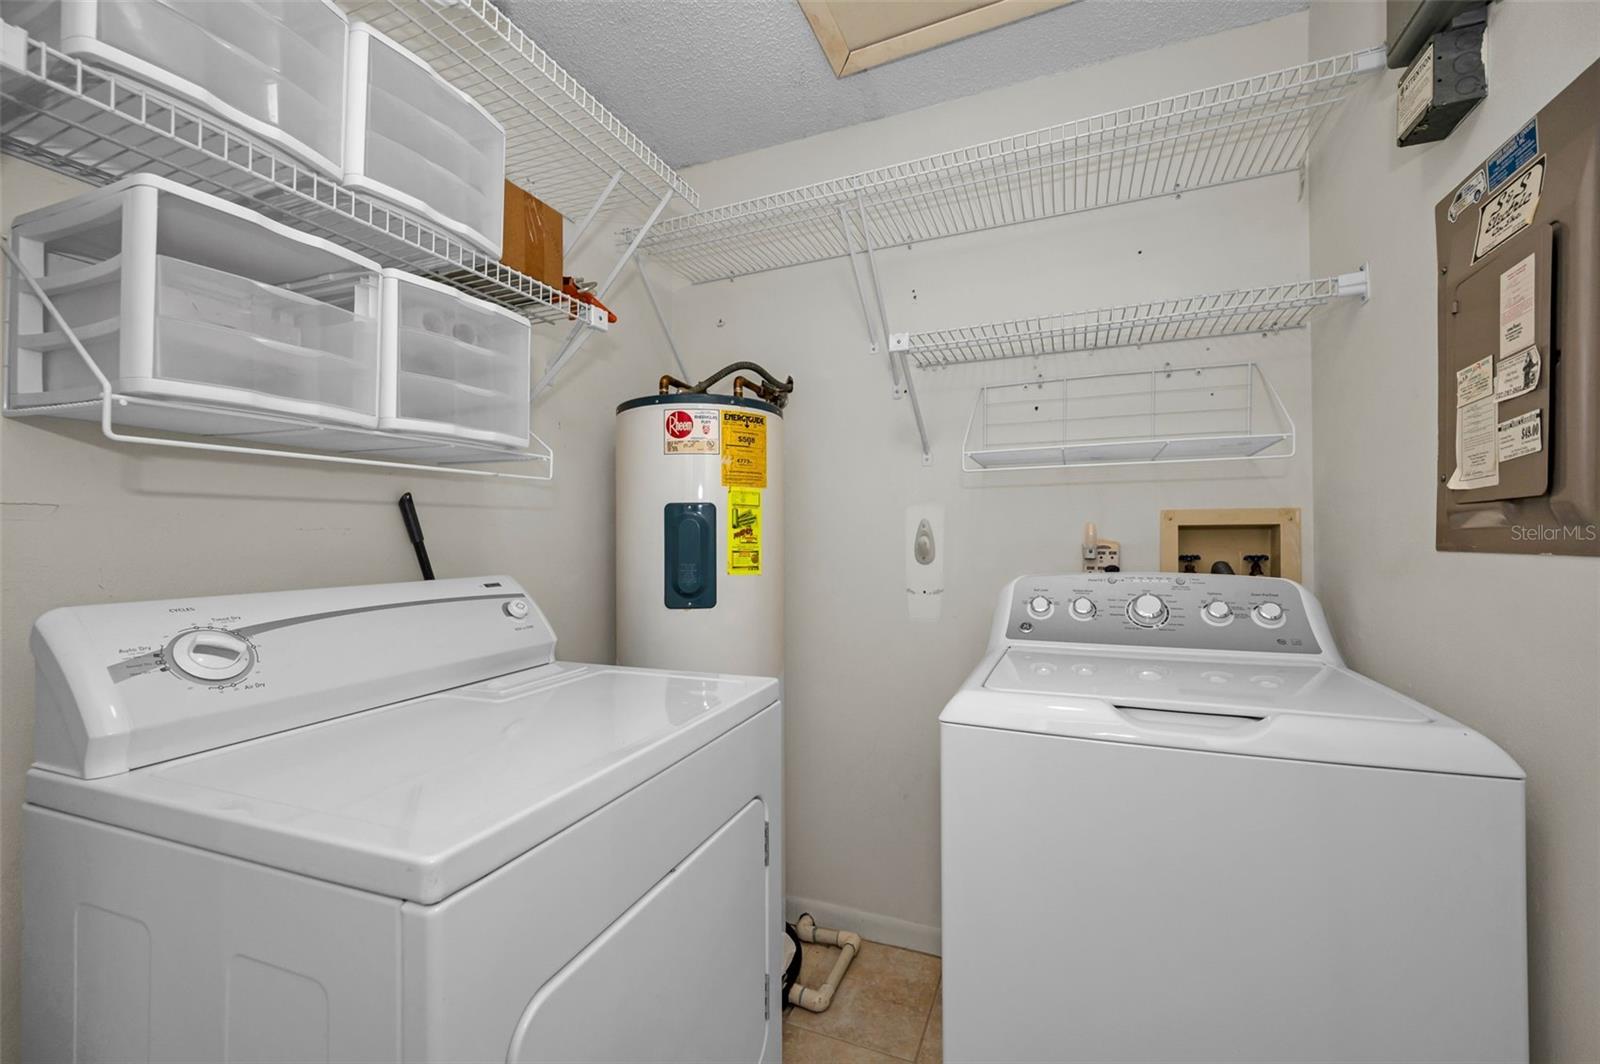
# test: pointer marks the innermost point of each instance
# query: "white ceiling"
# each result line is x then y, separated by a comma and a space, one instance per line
705, 79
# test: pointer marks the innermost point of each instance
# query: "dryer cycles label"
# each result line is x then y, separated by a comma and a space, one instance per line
691, 432
744, 449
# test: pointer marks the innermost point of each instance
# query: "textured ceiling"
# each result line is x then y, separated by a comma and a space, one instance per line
705, 79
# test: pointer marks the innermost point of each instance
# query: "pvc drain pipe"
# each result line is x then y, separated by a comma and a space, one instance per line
849, 944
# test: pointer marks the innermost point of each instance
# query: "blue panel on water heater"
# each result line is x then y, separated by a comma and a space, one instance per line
690, 555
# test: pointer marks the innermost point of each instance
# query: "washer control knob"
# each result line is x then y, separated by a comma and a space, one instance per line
211, 655
1082, 608
1269, 614
1147, 611
1217, 612
1040, 606
517, 609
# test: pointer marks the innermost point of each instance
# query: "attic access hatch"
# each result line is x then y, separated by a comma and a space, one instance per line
857, 35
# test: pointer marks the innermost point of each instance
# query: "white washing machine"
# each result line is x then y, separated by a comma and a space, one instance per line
1177, 828
383, 824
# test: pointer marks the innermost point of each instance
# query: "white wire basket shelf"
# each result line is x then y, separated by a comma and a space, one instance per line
67, 116
1190, 414
1251, 128
1268, 309
561, 143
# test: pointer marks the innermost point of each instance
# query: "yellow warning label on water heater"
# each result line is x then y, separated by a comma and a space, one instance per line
744, 449
744, 532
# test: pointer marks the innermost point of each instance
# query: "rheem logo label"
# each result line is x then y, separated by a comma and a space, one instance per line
692, 432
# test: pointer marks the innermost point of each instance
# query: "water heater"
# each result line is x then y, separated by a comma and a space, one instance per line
700, 529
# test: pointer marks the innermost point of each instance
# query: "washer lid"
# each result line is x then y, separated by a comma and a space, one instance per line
418, 799
1242, 705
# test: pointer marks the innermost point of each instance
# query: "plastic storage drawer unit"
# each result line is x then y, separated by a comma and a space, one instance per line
274, 68
453, 365
417, 141
178, 295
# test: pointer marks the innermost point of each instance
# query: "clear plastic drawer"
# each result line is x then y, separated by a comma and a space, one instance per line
178, 295
453, 365
417, 141
276, 68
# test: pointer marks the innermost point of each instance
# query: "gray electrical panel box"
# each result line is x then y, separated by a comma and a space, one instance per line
1519, 339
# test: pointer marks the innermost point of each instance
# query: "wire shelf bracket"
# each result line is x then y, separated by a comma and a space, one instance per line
576, 338
333, 444
1268, 309
94, 125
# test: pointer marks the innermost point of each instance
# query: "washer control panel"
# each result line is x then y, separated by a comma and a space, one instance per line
1188, 610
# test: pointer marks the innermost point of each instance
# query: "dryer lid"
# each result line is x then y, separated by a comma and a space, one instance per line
418, 799
1247, 705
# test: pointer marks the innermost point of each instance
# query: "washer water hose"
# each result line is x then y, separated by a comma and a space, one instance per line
849, 944
768, 388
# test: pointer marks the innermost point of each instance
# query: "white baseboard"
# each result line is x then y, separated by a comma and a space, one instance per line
889, 930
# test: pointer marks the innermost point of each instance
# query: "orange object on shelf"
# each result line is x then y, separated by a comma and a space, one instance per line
569, 285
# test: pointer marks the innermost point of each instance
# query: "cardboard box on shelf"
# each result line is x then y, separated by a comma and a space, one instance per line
533, 237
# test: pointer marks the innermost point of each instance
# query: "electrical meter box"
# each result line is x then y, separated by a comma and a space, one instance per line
1519, 339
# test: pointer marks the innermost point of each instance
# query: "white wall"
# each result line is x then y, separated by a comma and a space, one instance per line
86, 521
1508, 644
865, 684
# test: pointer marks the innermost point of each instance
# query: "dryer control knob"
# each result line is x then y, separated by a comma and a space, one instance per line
1040, 606
1218, 612
1269, 614
211, 655
517, 609
1082, 608
1147, 611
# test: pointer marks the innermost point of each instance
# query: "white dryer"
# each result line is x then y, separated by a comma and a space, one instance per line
1177, 828
382, 824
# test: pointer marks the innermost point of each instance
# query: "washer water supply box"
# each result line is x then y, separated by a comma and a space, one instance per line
452, 365
179, 295
275, 68
415, 140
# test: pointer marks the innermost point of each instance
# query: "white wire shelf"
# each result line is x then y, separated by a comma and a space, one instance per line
96, 126
1169, 415
1268, 309
202, 427
561, 143
1255, 127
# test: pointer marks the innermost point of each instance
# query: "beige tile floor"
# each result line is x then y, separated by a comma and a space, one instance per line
887, 1009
